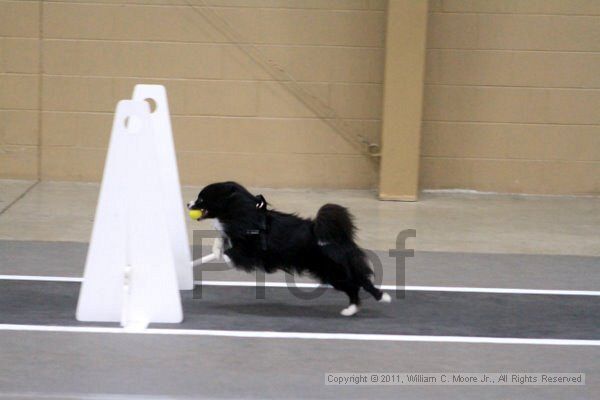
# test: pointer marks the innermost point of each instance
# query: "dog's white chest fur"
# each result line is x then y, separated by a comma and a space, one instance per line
219, 227
218, 248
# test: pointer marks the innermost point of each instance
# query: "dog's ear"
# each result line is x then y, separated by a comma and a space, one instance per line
233, 193
227, 189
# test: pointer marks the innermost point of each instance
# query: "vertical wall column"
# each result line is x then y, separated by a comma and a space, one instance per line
402, 99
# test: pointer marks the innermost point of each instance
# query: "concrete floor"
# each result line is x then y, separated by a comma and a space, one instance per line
234, 308
96, 366
61, 211
462, 240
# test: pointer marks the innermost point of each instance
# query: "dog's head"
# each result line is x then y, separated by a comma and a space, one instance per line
225, 200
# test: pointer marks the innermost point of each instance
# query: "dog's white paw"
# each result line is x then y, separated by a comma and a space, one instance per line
217, 248
350, 310
385, 298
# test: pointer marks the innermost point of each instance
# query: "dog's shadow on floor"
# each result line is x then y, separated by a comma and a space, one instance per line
282, 310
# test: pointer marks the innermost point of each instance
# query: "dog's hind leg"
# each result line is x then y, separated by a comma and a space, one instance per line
352, 292
378, 294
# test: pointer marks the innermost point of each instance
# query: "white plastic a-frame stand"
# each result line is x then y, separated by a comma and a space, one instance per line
138, 257
169, 177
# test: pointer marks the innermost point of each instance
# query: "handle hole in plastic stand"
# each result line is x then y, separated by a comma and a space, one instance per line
152, 104
132, 124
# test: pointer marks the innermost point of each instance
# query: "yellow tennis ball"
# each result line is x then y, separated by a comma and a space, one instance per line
195, 214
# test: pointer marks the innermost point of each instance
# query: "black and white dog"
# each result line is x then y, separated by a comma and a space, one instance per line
255, 237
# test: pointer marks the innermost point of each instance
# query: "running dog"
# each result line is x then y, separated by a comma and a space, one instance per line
256, 237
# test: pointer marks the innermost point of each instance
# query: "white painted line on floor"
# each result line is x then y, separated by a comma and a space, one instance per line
416, 288
316, 285
39, 278
302, 335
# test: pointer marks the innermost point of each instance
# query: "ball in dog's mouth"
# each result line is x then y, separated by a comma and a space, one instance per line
196, 214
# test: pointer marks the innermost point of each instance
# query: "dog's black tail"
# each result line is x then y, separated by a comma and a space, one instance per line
335, 232
334, 224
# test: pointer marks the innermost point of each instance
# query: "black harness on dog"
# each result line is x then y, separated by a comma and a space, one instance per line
262, 230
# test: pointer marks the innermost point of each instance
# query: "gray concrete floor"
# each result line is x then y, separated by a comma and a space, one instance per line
426, 268
82, 365
462, 240
64, 211
235, 308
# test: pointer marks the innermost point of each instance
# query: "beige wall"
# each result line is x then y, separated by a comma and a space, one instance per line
231, 121
19, 89
512, 96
